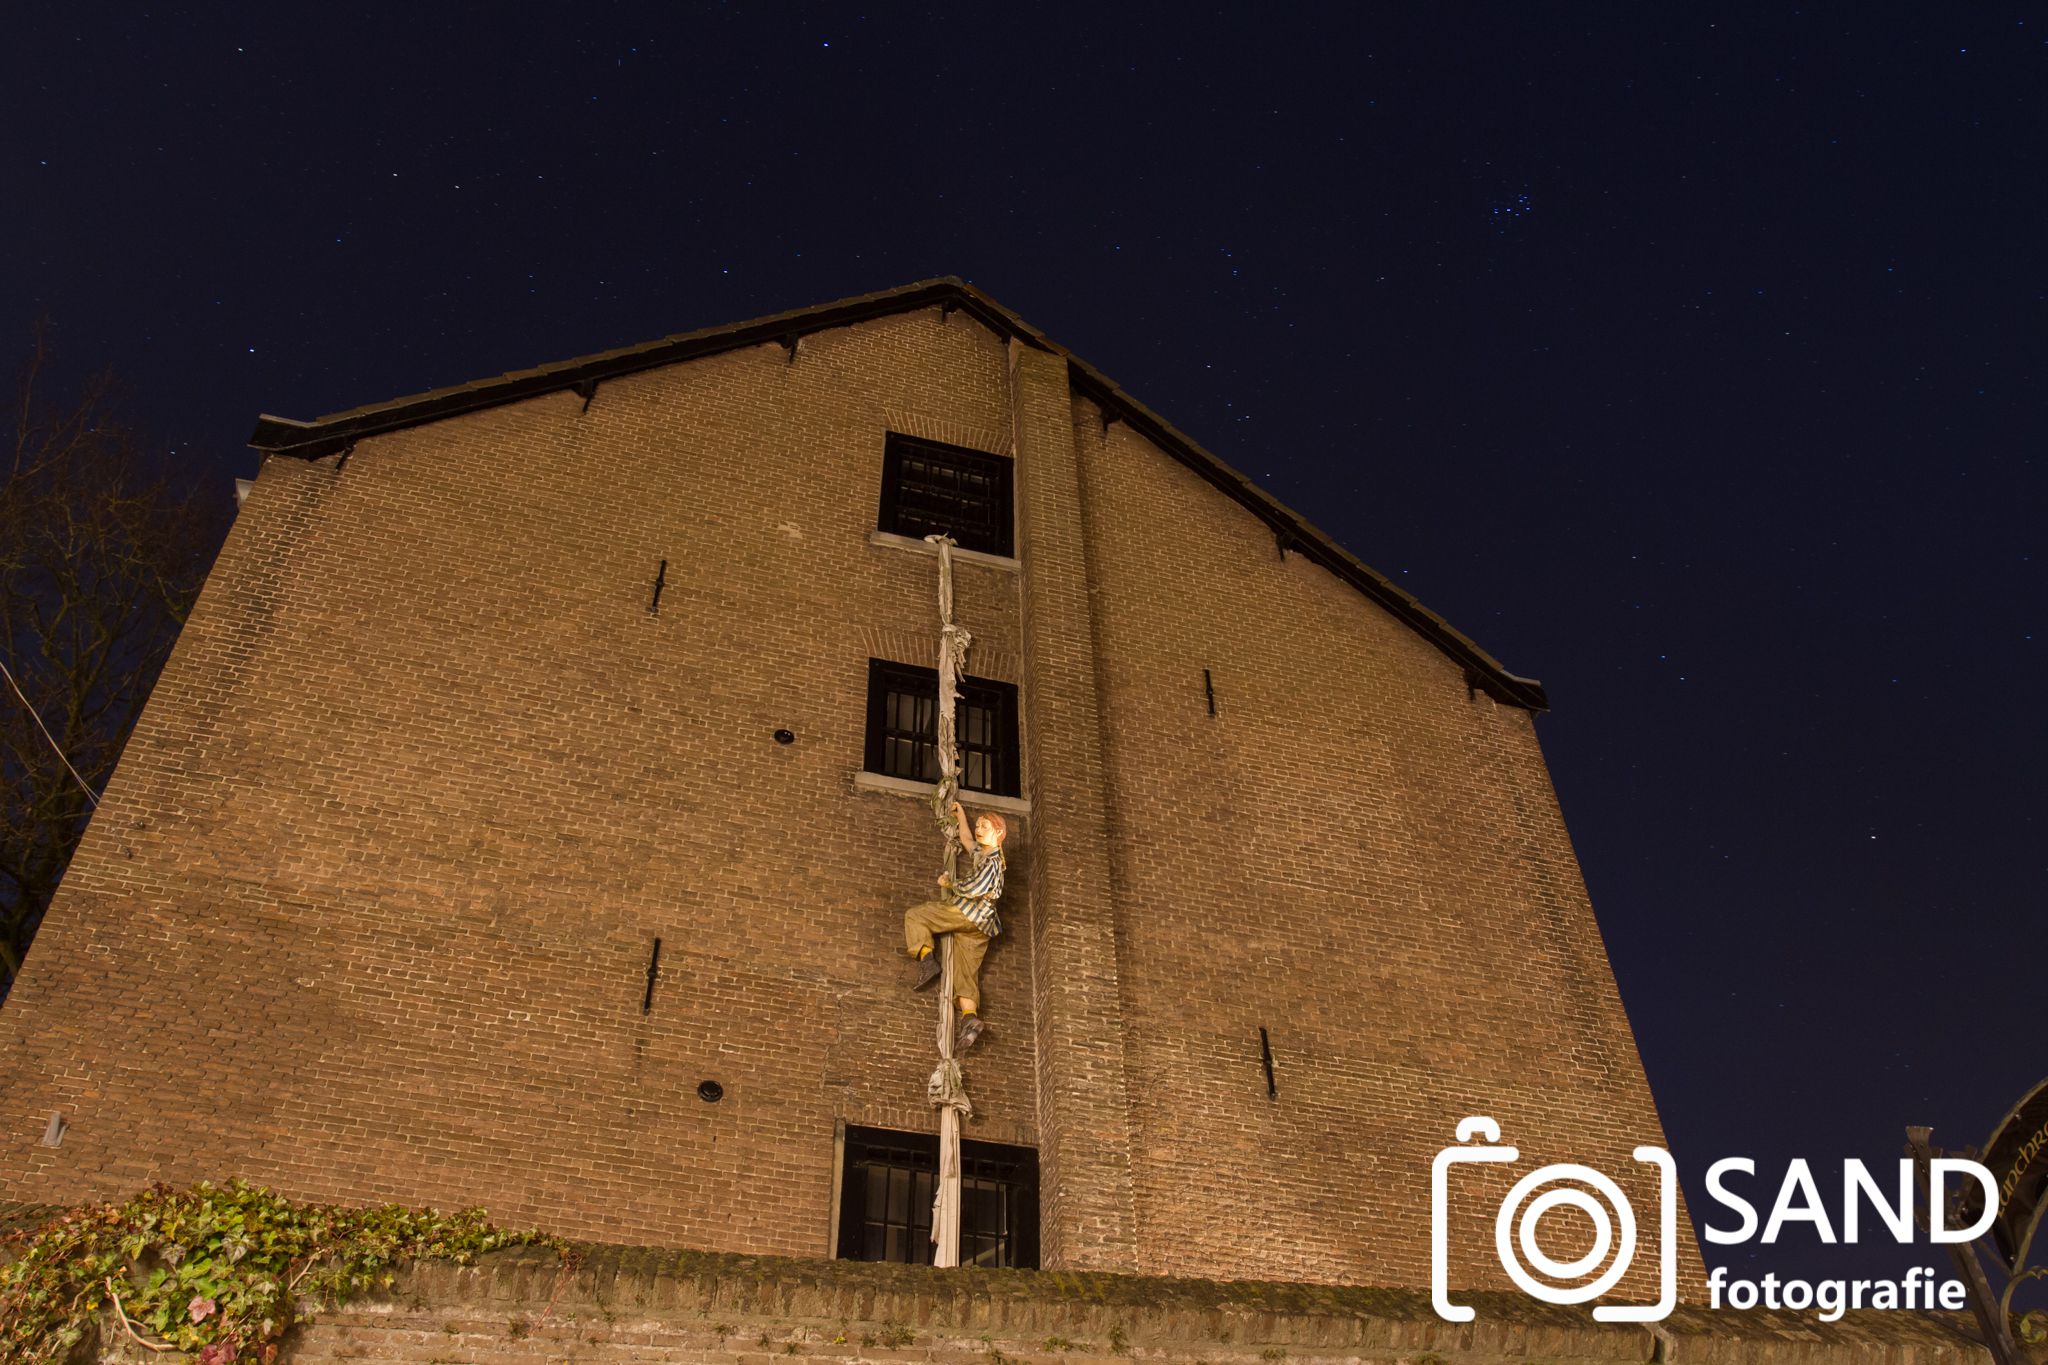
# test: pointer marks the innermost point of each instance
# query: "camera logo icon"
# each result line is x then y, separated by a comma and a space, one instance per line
1515, 1229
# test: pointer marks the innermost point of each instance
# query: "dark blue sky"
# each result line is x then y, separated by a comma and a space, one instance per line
1690, 358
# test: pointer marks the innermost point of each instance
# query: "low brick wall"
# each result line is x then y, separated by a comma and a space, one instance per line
638, 1307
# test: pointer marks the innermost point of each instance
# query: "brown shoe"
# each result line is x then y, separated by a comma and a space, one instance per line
971, 1029
928, 970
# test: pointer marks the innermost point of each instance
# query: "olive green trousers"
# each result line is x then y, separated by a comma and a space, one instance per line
970, 945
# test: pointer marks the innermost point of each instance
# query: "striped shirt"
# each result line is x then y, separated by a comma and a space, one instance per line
974, 894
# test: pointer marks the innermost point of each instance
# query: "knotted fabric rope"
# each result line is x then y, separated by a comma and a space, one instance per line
947, 1088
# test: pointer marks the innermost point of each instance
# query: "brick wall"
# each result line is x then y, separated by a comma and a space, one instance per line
367, 910
1357, 853
638, 1308
1086, 1100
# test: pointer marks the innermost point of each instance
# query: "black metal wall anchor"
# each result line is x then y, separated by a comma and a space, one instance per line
1266, 1054
660, 582
653, 970
1209, 689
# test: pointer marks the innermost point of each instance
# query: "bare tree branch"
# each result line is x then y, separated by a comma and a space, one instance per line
101, 555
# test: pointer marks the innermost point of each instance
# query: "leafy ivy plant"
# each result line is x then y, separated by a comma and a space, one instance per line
218, 1270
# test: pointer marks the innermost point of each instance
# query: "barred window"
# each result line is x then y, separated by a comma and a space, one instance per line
903, 728
885, 1200
929, 488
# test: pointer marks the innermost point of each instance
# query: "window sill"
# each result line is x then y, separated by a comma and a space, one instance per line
891, 541
864, 781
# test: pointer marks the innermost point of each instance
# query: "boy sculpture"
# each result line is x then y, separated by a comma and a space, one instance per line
967, 911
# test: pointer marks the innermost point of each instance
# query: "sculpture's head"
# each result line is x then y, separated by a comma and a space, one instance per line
990, 831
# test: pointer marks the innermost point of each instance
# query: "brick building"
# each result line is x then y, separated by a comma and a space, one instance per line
497, 688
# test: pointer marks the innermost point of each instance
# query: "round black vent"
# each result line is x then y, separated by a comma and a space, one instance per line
711, 1092
785, 737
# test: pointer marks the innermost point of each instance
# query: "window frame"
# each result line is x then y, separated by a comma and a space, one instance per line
1012, 1171
999, 538
1002, 750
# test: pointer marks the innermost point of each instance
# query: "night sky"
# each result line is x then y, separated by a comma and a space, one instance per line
1688, 358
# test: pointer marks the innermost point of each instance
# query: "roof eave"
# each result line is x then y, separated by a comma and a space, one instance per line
339, 431
1293, 534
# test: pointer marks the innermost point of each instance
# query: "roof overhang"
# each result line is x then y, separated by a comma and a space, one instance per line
338, 431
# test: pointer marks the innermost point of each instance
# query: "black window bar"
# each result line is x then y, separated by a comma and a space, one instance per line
903, 728
886, 1193
929, 488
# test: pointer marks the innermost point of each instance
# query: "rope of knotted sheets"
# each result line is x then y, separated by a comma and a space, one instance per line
947, 1089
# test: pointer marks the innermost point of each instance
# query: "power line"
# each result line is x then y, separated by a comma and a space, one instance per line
47, 735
